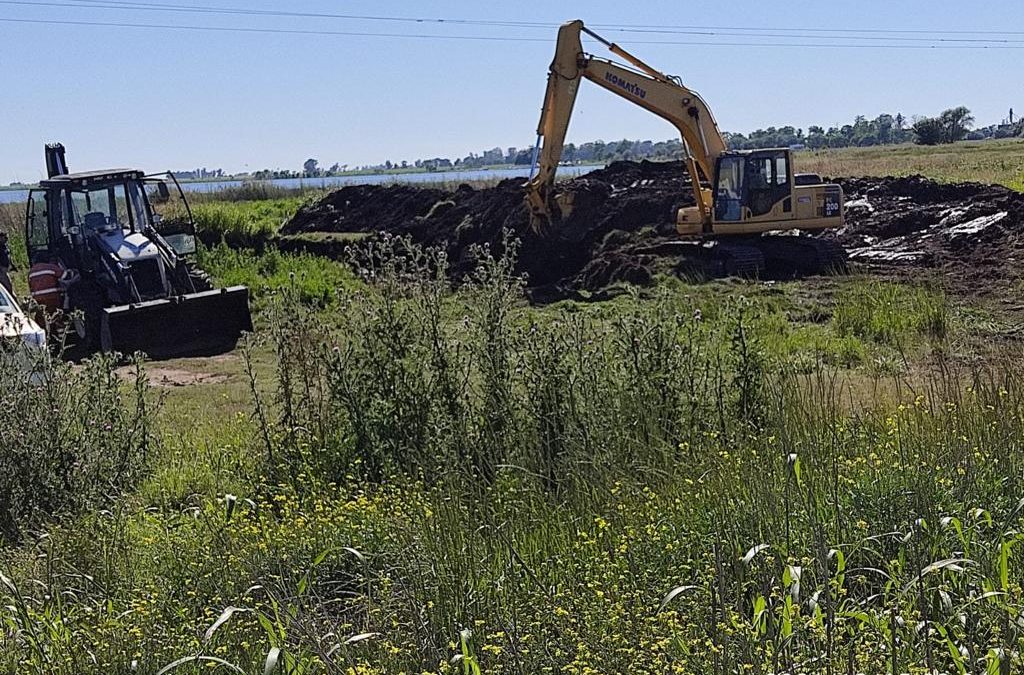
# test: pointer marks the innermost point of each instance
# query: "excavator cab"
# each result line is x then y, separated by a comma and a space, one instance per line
756, 191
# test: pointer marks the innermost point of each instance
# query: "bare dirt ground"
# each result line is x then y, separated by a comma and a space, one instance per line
167, 378
187, 372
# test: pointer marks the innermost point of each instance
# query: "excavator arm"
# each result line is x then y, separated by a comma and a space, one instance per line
641, 85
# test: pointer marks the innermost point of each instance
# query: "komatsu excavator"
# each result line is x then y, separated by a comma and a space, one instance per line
738, 195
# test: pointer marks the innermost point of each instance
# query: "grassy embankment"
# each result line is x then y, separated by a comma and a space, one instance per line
733, 477
999, 162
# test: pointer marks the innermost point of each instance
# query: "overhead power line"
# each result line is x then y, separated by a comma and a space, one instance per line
493, 38
487, 38
276, 31
887, 34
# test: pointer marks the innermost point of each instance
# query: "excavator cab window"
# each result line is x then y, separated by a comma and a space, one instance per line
755, 181
729, 188
759, 185
768, 180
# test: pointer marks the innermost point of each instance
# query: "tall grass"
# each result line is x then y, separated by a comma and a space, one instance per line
243, 224
454, 481
12, 218
251, 191
311, 280
891, 313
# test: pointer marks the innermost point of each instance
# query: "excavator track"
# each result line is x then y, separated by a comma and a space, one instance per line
755, 257
701, 261
740, 259
791, 256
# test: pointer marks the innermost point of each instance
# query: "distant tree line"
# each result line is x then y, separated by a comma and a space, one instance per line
885, 129
951, 125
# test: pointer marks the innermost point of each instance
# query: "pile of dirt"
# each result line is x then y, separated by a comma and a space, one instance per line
970, 231
622, 228
611, 207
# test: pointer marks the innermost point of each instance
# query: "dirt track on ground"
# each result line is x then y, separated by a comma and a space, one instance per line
622, 226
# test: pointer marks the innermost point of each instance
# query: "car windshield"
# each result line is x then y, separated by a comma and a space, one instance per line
108, 207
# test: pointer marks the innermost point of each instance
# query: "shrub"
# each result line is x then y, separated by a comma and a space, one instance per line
72, 436
929, 131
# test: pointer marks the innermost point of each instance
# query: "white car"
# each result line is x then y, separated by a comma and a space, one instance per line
19, 333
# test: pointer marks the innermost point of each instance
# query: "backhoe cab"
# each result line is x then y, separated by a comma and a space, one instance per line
121, 269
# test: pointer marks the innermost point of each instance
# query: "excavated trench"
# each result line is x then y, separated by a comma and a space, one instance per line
622, 227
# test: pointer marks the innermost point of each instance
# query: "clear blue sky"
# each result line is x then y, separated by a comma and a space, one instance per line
174, 99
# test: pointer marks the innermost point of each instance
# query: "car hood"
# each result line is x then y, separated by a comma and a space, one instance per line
17, 325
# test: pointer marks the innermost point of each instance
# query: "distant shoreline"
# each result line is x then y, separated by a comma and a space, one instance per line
244, 178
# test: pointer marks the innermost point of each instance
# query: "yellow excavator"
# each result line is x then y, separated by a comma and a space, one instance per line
738, 195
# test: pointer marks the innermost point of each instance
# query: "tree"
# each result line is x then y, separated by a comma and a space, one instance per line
816, 138
884, 124
929, 131
956, 122
310, 166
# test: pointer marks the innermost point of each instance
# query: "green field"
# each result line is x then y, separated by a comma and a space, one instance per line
406, 477
999, 162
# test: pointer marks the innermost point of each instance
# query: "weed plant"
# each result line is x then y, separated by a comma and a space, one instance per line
73, 436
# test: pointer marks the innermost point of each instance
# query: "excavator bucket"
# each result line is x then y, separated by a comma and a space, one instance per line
188, 325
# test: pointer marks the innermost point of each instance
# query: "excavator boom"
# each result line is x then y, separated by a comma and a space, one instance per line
642, 85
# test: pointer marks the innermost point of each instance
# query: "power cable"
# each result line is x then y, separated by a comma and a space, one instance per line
276, 31
787, 32
488, 38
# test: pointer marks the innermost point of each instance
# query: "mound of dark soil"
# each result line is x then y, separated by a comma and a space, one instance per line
624, 197
968, 230
623, 223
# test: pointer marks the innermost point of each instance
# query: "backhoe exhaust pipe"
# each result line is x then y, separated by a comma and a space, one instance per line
56, 163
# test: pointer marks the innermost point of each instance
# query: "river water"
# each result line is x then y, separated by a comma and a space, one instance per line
10, 196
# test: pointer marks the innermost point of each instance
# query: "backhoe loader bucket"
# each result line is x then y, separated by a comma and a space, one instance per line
188, 325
